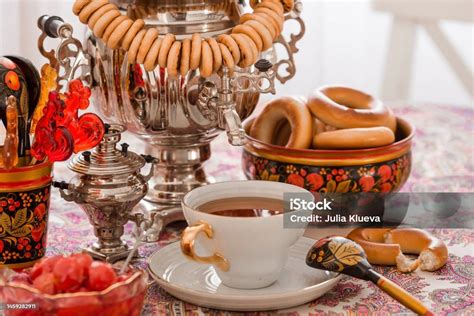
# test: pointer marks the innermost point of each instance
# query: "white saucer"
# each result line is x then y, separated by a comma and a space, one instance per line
199, 284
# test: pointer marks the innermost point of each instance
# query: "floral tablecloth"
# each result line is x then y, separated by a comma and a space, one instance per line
443, 161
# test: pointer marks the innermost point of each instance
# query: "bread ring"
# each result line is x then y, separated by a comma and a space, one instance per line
233, 47
99, 13
274, 23
132, 32
185, 56
148, 39
271, 16
196, 47
104, 21
268, 25
344, 107
263, 32
386, 246
288, 5
254, 33
350, 138
250, 32
172, 63
112, 26
246, 53
287, 108
117, 35
227, 59
205, 68
253, 3
216, 53
152, 56
253, 46
320, 127
89, 9
135, 46
272, 5
79, 5
168, 41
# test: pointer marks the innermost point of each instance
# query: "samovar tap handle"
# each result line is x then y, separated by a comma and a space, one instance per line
218, 105
227, 116
62, 186
261, 80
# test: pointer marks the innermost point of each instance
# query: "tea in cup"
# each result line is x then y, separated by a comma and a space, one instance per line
238, 227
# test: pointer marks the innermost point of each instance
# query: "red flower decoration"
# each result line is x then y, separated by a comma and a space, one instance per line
385, 172
367, 183
295, 179
316, 181
40, 211
78, 95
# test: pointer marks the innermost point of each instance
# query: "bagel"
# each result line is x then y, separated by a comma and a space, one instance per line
352, 138
344, 107
112, 26
283, 109
386, 246
172, 63
266, 23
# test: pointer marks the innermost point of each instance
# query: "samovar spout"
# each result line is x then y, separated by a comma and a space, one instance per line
218, 105
72, 196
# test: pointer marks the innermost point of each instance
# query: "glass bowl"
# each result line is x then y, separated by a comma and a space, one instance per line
122, 298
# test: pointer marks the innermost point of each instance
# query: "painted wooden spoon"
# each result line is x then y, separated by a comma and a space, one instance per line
339, 254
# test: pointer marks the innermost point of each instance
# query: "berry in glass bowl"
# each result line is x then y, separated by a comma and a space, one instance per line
73, 285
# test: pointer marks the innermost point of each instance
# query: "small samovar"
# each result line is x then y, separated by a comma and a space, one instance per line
107, 186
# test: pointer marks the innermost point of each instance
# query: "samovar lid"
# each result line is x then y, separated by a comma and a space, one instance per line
106, 158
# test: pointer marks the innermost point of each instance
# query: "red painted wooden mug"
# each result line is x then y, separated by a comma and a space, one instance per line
24, 205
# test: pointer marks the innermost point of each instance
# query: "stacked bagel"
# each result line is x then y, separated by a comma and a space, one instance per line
255, 33
332, 117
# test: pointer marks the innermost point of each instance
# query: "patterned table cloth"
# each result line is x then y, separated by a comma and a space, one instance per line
443, 161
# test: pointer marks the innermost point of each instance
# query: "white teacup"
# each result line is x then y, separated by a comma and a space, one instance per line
247, 252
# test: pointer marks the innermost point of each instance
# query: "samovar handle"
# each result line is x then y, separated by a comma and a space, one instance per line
70, 55
290, 46
152, 160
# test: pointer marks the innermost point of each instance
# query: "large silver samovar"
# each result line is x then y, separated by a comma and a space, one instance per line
176, 117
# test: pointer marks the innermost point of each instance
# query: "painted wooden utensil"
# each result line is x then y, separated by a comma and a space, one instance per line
339, 254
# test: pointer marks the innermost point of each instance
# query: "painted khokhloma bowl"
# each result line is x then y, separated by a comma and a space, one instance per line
381, 169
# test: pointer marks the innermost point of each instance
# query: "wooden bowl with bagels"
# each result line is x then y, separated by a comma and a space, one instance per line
337, 140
